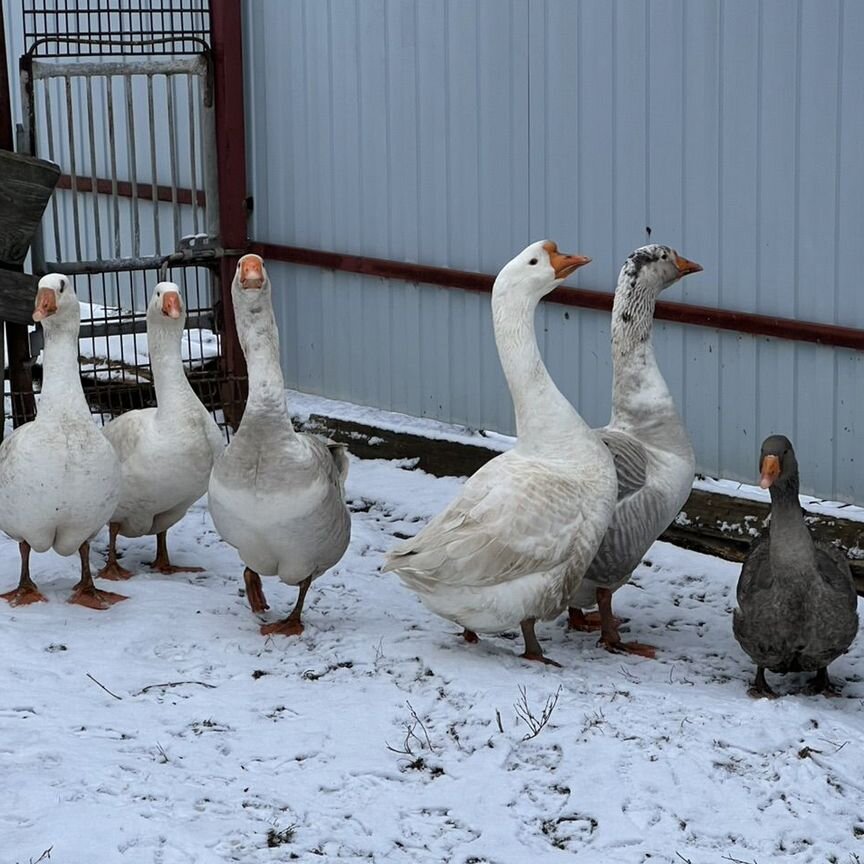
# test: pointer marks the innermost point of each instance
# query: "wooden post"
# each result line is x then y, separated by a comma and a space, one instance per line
226, 22
17, 343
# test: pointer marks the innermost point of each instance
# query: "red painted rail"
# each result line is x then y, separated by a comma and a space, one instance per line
681, 313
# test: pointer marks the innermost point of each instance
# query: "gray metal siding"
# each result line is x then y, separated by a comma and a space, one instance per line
454, 133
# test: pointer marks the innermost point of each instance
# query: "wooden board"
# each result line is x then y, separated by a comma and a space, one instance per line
713, 524
26, 184
17, 294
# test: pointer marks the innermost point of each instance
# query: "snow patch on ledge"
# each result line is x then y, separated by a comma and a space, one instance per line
302, 405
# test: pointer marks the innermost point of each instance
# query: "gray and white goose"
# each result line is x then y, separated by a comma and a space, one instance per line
276, 495
653, 456
797, 606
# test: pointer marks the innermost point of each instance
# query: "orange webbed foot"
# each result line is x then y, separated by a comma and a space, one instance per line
288, 627
540, 658
24, 596
93, 598
638, 648
114, 572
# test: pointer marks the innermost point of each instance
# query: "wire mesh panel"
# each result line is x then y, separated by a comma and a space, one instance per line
98, 27
119, 94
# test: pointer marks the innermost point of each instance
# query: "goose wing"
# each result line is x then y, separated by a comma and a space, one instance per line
631, 461
515, 516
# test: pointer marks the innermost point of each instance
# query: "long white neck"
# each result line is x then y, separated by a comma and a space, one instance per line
259, 338
62, 392
174, 393
543, 414
641, 400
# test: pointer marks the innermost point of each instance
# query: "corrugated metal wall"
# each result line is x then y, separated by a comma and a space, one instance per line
453, 133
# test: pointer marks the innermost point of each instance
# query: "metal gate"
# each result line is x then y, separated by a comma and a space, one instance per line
120, 96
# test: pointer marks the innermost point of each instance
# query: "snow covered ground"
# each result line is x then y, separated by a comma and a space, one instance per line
379, 735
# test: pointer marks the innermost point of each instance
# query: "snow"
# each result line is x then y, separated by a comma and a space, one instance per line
131, 350
217, 738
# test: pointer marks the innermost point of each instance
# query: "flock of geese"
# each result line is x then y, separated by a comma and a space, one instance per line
559, 522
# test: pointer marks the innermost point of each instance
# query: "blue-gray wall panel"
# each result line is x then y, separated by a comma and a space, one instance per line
453, 133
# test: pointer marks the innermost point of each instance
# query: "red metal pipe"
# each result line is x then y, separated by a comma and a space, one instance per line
144, 191
227, 43
682, 313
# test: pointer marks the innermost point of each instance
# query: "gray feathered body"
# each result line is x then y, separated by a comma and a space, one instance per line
795, 618
654, 459
653, 485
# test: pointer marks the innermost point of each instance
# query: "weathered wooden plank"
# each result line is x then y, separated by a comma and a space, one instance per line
26, 184
17, 293
714, 524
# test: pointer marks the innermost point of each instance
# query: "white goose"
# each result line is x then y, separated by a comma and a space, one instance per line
511, 548
166, 452
653, 455
275, 495
59, 476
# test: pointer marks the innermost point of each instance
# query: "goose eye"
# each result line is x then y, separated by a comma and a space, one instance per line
62, 285
663, 256
533, 261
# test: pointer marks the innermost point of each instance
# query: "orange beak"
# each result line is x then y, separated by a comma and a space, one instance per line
171, 304
46, 304
770, 471
564, 265
251, 272
684, 266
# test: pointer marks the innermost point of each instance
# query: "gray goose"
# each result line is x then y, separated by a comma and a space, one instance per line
653, 456
797, 606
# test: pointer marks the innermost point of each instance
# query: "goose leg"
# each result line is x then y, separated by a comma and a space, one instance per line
578, 620
588, 622
290, 626
163, 563
254, 591
610, 638
533, 651
470, 636
112, 569
760, 686
26, 592
821, 683
85, 593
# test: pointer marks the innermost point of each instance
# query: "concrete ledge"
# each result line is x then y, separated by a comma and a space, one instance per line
711, 523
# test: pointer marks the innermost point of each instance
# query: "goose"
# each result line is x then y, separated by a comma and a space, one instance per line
653, 456
276, 495
511, 547
59, 475
797, 606
166, 452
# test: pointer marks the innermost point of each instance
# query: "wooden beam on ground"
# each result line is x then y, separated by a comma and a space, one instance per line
710, 523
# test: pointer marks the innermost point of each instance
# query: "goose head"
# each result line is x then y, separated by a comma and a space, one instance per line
654, 268
250, 279
778, 466
56, 302
166, 306
536, 270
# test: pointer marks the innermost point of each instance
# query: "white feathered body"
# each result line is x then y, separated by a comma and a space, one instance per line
165, 458
278, 498
59, 476
516, 542
275, 495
